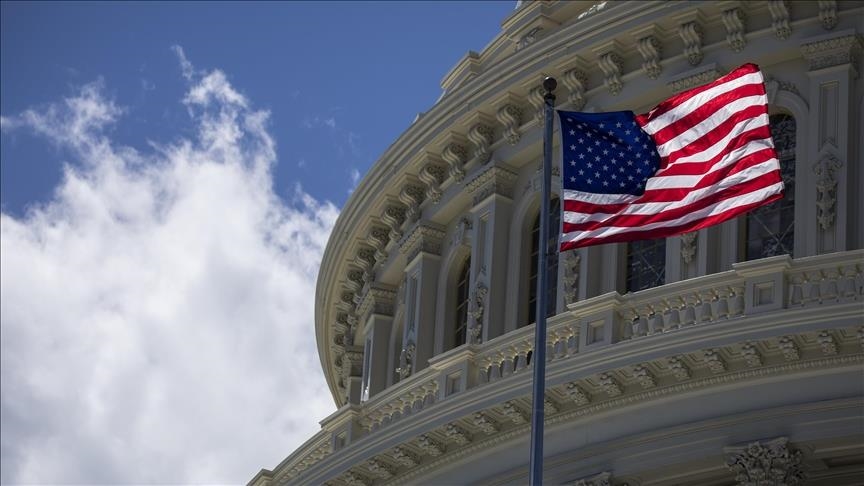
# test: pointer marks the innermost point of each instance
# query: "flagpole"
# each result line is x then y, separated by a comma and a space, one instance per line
538, 357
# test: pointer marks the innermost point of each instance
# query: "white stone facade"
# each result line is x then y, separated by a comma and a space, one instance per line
737, 370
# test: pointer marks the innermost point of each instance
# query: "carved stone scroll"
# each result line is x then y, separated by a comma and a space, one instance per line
576, 83
763, 463
734, 21
780, 18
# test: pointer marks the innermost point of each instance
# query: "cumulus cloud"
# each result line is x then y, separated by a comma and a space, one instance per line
157, 320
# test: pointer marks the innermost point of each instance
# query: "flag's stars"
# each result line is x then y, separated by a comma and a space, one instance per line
645, 146
573, 163
605, 152
597, 142
614, 176
597, 174
629, 162
572, 147
621, 184
582, 172
638, 155
570, 120
621, 170
572, 178
590, 165
589, 149
618, 125
572, 132
634, 123
602, 125
610, 133
630, 178
581, 140
621, 154
589, 134
581, 156
638, 170
626, 132
605, 167
605, 183
590, 181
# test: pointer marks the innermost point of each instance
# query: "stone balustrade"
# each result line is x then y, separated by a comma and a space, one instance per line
749, 289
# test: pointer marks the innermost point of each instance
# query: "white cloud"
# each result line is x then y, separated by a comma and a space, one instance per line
157, 319
355, 178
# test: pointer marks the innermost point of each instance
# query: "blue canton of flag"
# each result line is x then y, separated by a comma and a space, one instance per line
606, 153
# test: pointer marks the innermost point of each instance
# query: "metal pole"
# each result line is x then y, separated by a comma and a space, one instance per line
538, 357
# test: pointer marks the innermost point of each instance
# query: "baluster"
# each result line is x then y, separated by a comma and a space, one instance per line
507, 365
814, 295
737, 297
796, 291
829, 286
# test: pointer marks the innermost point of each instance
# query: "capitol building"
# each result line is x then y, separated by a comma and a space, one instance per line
733, 355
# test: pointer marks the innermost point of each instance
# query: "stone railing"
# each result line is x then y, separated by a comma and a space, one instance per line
591, 326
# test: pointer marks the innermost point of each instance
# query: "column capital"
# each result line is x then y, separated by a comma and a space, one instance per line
425, 237
493, 180
833, 50
771, 462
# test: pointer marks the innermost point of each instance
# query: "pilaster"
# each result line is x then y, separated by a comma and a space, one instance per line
376, 308
492, 209
833, 60
422, 249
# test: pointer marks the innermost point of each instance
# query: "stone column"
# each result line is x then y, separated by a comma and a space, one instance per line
491, 212
422, 249
376, 311
831, 167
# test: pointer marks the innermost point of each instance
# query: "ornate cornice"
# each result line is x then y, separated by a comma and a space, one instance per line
692, 79
377, 299
840, 48
493, 180
425, 237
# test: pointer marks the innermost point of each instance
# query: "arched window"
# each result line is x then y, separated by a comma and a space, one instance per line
460, 327
551, 263
646, 264
770, 229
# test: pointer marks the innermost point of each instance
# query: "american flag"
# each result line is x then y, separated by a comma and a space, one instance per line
699, 158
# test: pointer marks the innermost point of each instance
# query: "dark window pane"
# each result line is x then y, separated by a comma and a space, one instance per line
461, 325
646, 264
771, 228
551, 263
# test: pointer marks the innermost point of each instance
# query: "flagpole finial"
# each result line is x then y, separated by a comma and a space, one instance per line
549, 84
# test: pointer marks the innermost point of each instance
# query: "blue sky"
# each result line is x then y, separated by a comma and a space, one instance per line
341, 79
169, 176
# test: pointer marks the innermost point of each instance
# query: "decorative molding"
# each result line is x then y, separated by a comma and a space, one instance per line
411, 195
602, 479
528, 38
378, 299
612, 66
406, 360
456, 155
577, 394
429, 445
485, 424
773, 86
457, 434
537, 101
394, 217
765, 463
643, 375
481, 137
380, 469
735, 20
789, 348
688, 246
379, 238
610, 385
693, 79
514, 413
478, 304
780, 18
510, 116
424, 236
493, 180
576, 83
827, 343
651, 51
828, 14
826, 189
839, 49
433, 175
714, 361
572, 261
351, 478
462, 233
365, 259
404, 457
751, 355
679, 368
